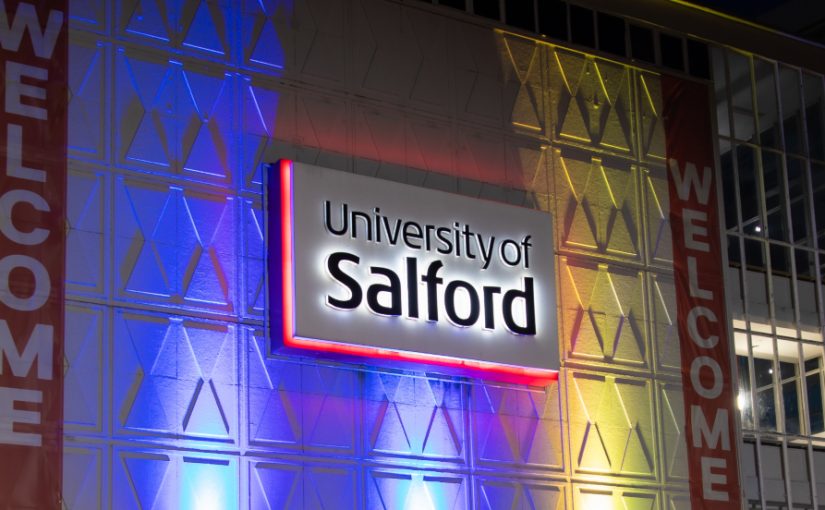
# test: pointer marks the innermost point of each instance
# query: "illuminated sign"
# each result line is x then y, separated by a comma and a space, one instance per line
367, 267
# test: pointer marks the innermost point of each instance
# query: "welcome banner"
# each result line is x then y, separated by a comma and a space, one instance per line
33, 131
700, 295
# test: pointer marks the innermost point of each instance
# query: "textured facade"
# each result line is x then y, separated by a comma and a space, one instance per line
172, 398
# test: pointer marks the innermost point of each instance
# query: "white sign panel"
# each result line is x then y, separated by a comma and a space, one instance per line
370, 267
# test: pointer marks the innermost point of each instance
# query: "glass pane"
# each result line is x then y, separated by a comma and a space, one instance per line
753, 256
804, 267
821, 260
766, 409
553, 19
748, 190
717, 56
800, 476
581, 25
756, 282
734, 256
698, 62
787, 369
743, 399
672, 51
741, 96
728, 185
816, 420
611, 34
790, 90
780, 261
750, 476
775, 204
487, 8
812, 86
783, 298
818, 182
734, 293
743, 372
812, 364
520, 13
763, 372
455, 4
641, 43
773, 474
766, 106
790, 399
806, 289
798, 195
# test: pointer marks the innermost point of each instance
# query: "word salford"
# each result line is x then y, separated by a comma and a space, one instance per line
388, 288
457, 239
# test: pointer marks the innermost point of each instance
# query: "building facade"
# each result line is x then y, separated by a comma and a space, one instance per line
173, 396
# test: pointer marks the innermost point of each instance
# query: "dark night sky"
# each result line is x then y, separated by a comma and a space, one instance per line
804, 18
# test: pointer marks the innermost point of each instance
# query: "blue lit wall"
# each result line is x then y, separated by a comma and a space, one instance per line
172, 400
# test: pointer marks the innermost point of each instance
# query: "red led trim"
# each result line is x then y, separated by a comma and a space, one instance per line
286, 249
524, 375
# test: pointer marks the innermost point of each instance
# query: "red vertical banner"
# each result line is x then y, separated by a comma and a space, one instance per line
33, 138
700, 297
